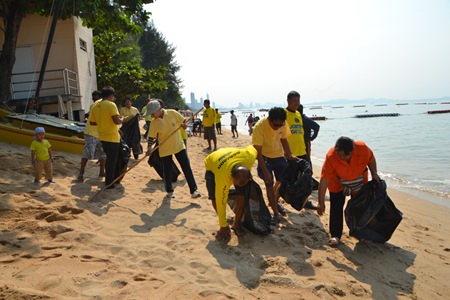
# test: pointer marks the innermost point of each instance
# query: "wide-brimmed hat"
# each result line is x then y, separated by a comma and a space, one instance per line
152, 107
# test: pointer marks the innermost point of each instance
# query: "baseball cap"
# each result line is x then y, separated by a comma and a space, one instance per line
39, 130
152, 107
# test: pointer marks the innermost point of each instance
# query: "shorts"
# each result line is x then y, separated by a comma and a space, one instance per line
218, 125
93, 148
209, 133
211, 186
233, 127
274, 166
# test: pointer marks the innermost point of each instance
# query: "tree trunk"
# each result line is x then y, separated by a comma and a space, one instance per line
13, 16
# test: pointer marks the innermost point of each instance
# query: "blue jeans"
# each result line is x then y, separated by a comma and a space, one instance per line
185, 165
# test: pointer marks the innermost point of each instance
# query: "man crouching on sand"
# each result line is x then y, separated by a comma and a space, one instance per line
225, 167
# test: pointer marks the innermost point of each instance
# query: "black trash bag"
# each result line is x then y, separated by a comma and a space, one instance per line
296, 183
371, 214
256, 217
124, 157
155, 161
132, 135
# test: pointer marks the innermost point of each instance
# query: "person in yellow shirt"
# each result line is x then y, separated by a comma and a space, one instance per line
148, 118
209, 117
165, 126
296, 140
92, 145
225, 167
270, 140
130, 130
106, 117
41, 156
218, 121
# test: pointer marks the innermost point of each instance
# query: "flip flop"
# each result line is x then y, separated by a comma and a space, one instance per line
333, 242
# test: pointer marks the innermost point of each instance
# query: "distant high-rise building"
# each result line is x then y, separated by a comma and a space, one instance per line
193, 103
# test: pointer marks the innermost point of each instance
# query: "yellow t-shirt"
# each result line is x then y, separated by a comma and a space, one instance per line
184, 134
269, 139
209, 116
102, 114
128, 112
221, 162
91, 129
163, 128
297, 139
41, 149
218, 117
144, 113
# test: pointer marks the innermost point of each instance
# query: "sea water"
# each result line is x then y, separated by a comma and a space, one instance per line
412, 149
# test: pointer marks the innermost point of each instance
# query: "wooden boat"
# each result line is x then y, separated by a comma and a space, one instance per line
62, 134
50, 123
23, 136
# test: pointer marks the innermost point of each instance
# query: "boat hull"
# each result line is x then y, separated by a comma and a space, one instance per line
22, 136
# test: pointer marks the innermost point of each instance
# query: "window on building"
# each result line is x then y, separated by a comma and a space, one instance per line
83, 45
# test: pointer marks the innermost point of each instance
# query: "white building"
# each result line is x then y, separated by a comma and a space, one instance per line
70, 75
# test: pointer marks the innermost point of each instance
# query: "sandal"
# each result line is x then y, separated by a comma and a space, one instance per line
333, 242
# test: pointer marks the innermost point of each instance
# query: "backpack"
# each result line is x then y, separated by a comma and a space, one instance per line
256, 217
296, 183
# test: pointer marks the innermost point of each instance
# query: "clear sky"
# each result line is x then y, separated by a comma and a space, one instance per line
259, 50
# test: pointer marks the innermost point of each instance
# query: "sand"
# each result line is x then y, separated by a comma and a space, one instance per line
134, 244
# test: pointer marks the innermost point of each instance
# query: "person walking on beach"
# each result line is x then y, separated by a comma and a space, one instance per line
130, 130
106, 117
311, 129
225, 167
41, 156
234, 123
92, 145
218, 121
344, 172
250, 122
165, 126
270, 140
148, 119
209, 117
297, 138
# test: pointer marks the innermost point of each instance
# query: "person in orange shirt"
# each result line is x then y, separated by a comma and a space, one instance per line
344, 172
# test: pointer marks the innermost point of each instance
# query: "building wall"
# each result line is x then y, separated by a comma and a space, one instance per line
65, 53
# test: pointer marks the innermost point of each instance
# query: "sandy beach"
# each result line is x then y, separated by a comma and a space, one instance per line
132, 243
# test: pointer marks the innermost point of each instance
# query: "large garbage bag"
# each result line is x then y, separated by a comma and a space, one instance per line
124, 157
155, 161
256, 217
132, 135
371, 214
296, 183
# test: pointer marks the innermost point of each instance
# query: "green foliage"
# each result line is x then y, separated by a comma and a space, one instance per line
118, 65
157, 52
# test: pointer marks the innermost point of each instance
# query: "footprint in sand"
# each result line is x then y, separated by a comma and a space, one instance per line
89, 258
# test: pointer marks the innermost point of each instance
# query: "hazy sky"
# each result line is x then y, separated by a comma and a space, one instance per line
259, 50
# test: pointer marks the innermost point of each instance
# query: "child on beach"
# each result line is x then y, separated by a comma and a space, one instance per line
41, 156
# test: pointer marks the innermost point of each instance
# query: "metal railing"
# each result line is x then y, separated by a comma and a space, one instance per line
56, 82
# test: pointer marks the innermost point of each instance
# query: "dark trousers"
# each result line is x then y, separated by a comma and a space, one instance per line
185, 165
337, 201
112, 161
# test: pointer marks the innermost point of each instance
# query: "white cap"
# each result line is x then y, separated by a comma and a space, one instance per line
152, 107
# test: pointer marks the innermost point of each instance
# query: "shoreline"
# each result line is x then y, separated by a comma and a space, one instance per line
133, 242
